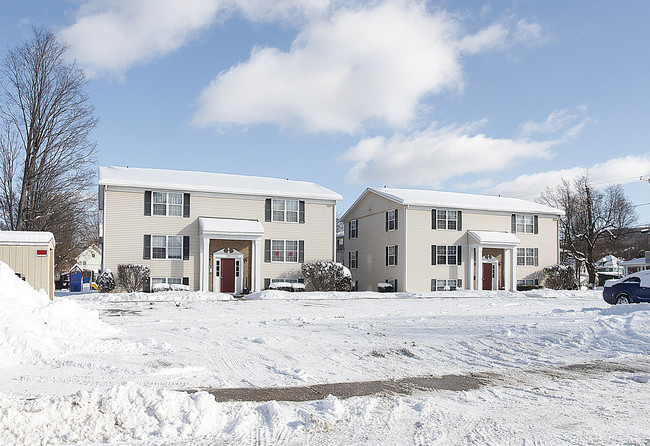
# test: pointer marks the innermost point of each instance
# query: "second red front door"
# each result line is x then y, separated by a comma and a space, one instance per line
227, 275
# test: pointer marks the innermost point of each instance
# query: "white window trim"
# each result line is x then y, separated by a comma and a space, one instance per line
392, 220
447, 255
285, 251
354, 233
166, 247
522, 225
534, 258
353, 258
447, 284
284, 210
394, 257
446, 219
167, 203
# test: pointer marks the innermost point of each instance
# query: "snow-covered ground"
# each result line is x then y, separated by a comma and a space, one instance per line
558, 367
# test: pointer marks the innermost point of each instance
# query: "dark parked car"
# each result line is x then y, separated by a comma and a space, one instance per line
633, 288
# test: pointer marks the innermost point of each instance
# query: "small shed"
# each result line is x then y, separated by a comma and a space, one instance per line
31, 255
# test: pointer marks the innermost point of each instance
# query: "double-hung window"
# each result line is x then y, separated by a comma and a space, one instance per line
391, 255
291, 251
447, 255
391, 220
285, 210
525, 223
352, 226
446, 219
277, 250
352, 259
284, 251
167, 203
527, 257
167, 246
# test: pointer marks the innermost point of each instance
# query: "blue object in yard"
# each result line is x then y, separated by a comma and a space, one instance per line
75, 280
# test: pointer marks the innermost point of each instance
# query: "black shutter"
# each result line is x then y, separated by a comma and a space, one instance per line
536, 224
350, 259
147, 286
513, 225
459, 252
301, 251
267, 283
459, 283
186, 281
301, 211
186, 247
267, 210
186, 205
434, 254
386, 255
395, 289
396, 254
147, 202
146, 251
434, 220
459, 225
267, 250
356, 256
350, 229
396, 213
386, 221
536, 257
433, 284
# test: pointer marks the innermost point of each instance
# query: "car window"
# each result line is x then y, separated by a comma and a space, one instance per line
632, 280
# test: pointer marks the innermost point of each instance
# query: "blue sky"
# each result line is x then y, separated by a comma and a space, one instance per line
496, 98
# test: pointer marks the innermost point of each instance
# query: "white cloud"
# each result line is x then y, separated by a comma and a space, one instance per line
359, 67
431, 157
565, 121
615, 171
110, 36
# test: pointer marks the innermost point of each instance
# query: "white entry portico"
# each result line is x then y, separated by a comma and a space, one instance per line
230, 229
482, 240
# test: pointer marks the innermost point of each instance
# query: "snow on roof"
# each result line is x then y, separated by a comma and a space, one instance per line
634, 262
433, 198
26, 237
494, 238
213, 182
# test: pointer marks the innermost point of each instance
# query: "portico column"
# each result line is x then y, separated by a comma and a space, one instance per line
470, 281
513, 269
479, 267
204, 250
257, 264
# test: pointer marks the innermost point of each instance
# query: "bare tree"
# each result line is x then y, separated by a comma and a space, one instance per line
592, 218
46, 153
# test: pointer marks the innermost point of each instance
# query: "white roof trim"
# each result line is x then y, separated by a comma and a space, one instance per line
213, 182
26, 237
231, 229
490, 238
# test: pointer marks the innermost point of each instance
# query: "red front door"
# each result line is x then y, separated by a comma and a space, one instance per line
227, 275
487, 276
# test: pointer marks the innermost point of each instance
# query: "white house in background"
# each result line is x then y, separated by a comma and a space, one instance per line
636, 265
31, 255
214, 232
424, 240
90, 259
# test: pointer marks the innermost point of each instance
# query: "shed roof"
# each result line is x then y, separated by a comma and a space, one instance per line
213, 182
26, 237
434, 198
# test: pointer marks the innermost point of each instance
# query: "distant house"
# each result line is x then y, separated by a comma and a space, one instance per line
609, 267
636, 265
424, 240
31, 255
214, 232
90, 260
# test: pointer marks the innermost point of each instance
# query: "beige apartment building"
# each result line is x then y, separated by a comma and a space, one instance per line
424, 240
211, 231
